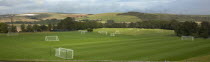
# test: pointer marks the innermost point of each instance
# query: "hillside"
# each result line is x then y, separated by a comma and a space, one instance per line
168, 17
112, 16
30, 17
103, 17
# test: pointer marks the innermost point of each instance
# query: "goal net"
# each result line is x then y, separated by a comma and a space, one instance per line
83, 32
64, 53
187, 38
103, 32
51, 38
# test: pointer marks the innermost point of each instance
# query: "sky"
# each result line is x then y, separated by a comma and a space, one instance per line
195, 7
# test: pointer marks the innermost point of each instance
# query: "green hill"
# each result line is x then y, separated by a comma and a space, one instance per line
103, 17
168, 17
112, 16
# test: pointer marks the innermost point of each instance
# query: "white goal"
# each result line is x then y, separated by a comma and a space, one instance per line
51, 38
83, 32
187, 38
64, 53
103, 32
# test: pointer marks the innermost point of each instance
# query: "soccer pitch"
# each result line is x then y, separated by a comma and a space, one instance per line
131, 45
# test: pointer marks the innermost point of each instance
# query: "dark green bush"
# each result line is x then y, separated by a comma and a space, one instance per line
90, 30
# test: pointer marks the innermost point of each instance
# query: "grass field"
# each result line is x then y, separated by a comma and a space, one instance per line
131, 45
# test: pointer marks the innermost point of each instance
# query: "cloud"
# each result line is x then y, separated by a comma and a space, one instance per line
103, 6
200, 7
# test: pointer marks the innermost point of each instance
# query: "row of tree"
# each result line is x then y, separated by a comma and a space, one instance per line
193, 29
67, 24
144, 24
187, 28
36, 27
5, 28
70, 24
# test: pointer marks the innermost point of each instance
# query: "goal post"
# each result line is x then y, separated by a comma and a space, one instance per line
187, 38
51, 38
64, 53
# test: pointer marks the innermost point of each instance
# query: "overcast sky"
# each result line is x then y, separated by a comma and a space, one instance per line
104, 6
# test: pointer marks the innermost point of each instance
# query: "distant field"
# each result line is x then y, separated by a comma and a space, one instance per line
113, 16
39, 16
131, 45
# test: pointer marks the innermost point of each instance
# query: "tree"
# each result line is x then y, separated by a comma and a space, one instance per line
204, 29
23, 27
132, 25
29, 28
109, 23
173, 24
89, 30
54, 27
187, 28
67, 24
50, 27
35, 28
3, 28
209, 29
43, 27
92, 24
13, 28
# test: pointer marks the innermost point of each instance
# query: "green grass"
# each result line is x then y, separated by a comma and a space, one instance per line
205, 58
131, 45
113, 16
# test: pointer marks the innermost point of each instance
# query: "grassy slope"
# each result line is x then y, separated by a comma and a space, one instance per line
3, 19
168, 17
58, 15
132, 44
113, 16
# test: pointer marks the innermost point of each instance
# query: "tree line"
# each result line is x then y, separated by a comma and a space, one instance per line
187, 28
190, 28
67, 24
5, 28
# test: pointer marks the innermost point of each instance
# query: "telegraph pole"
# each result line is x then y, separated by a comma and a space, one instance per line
11, 16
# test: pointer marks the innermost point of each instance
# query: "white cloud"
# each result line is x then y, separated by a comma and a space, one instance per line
90, 6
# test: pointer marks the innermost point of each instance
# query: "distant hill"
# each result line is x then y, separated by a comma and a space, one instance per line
30, 17
168, 17
103, 17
